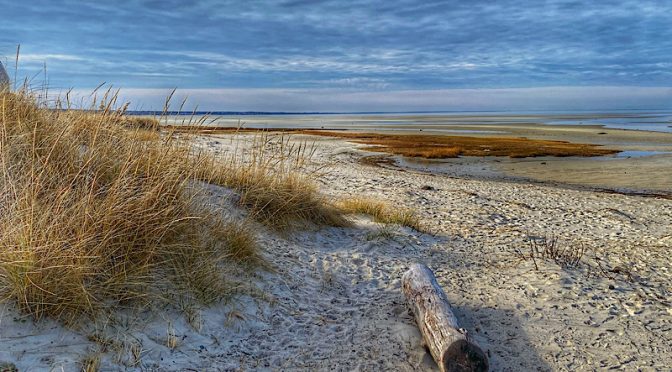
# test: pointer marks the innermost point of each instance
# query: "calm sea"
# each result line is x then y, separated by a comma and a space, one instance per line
653, 120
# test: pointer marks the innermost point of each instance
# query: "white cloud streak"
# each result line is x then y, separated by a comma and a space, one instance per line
42, 58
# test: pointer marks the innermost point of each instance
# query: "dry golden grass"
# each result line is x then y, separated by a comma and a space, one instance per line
91, 363
274, 183
99, 210
430, 152
382, 212
96, 215
145, 134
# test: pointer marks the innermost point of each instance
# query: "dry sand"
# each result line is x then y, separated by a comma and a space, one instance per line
333, 302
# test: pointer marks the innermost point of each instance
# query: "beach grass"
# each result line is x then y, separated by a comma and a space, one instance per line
93, 213
275, 183
100, 211
91, 363
381, 211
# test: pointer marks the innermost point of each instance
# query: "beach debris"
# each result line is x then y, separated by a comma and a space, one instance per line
450, 346
4, 78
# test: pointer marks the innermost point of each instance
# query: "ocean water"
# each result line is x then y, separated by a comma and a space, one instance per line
660, 122
656, 121
629, 154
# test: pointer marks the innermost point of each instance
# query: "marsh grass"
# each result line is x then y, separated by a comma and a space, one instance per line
436, 146
440, 147
382, 212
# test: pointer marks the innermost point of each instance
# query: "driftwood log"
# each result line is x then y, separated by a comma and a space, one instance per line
450, 346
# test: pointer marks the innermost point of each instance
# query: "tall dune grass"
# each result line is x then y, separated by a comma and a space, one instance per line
95, 213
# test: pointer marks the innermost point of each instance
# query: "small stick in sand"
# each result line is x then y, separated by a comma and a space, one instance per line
449, 344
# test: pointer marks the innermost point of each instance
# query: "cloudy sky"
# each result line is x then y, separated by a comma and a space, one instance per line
351, 55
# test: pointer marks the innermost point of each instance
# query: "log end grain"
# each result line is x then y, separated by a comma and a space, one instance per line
464, 356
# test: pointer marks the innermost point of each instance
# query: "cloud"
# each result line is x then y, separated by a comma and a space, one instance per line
356, 82
46, 58
378, 45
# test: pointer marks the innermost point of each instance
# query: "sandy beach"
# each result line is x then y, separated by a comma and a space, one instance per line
436, 186
330, 299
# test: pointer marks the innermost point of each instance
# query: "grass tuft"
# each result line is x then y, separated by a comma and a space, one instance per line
91, 363
382, 212
101, 211
275, 183
550, 248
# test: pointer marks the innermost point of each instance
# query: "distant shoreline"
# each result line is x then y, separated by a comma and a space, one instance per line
649, 121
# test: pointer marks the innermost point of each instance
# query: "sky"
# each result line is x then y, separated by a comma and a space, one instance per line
350, 55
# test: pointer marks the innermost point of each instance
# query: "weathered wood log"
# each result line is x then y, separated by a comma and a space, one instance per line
450, 345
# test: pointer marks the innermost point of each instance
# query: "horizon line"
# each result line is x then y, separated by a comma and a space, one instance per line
254, 112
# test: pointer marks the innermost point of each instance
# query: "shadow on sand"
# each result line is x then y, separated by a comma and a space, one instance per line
500, 334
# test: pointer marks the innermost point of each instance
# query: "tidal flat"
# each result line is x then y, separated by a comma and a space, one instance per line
641, 162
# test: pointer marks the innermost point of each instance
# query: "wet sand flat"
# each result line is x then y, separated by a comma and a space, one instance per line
653, 174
